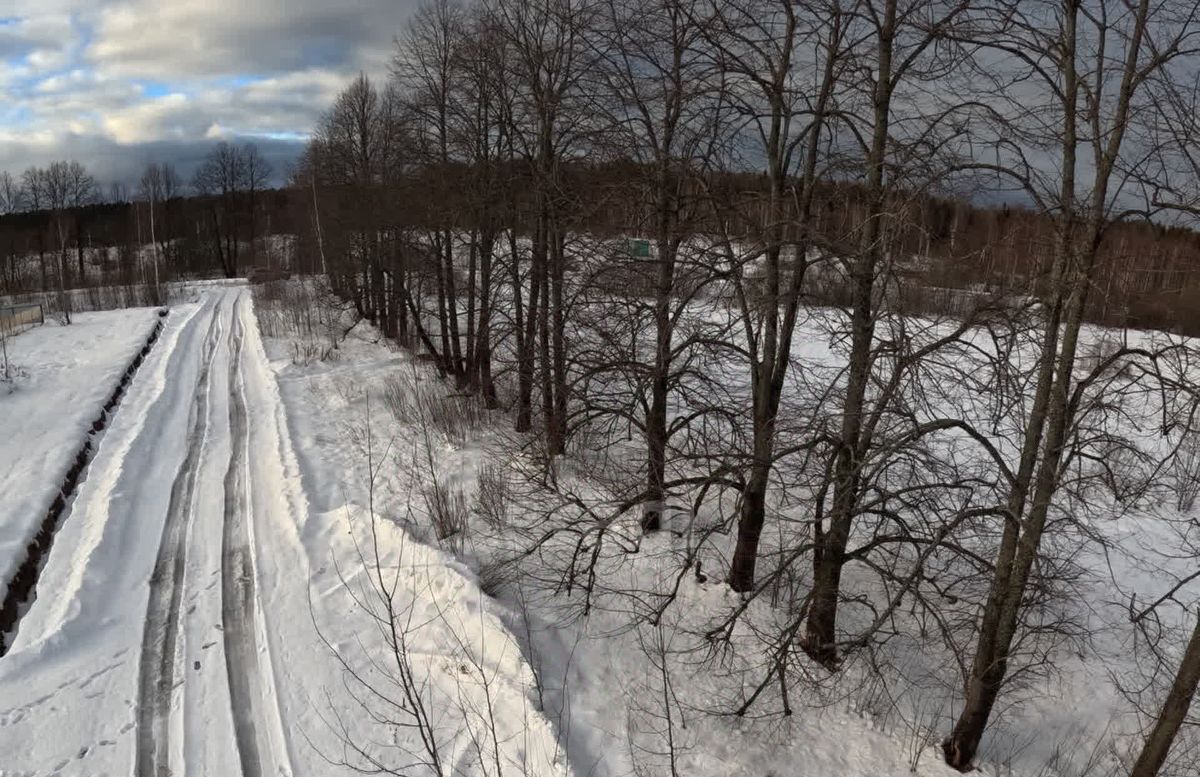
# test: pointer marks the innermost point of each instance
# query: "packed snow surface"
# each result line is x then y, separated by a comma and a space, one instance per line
59, 380
211, 617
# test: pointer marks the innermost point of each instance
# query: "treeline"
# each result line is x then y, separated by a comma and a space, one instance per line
554, 200
61, 229
1149, 270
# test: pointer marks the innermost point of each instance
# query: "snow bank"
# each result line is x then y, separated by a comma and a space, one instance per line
64, 375
342, 563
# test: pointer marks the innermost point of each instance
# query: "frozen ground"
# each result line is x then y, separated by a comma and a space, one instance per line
249, 582
601, 681
210, 618
62, 376
592, 677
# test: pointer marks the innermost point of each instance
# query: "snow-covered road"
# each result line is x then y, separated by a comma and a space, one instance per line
144, 647
198, 615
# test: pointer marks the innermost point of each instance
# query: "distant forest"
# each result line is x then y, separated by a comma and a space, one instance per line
1148, 277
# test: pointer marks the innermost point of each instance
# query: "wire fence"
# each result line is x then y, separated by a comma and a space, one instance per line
15, 319
91, 298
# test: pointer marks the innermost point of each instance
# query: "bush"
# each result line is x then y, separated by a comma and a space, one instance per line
494, 495
448, 512
418, 402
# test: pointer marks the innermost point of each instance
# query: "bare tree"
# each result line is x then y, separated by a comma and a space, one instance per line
548, 57
231, 177
159, 183
427, 69
1173, 713
904, 46
784, 107
33, 183
664, 99
256, 172
12, 200
12, 194
220, 177
480, 125
1095, 64
356, 151
67, 187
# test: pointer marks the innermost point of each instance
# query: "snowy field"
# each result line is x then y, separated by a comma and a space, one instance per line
62, 377
257, 577
603, 680
368, 407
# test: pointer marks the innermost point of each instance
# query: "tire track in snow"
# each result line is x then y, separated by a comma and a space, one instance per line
237, 574
156, 668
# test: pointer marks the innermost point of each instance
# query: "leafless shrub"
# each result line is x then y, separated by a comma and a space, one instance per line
1186, 473
421, 710
376, 597
416, 401
303, 312
657, 722
922, 730
459, 417
1074, 757
447, 506
399, 396
494, 494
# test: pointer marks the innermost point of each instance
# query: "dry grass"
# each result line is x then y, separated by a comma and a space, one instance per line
447, 507
494, 494
416, 401
301, 311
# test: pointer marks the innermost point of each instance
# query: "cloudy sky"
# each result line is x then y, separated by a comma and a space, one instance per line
118, 83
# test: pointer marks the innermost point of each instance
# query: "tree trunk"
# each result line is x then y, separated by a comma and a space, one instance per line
1022, 536
820, 633
79, 250
528, 332
483, 333
656, 417
543, 325
1174, 711
1004, 606
558, 425
750, 526
472, 350
439, 250
523, 326
454, 355
42, 262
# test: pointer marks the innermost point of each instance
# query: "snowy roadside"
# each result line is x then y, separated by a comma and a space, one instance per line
600, 688
630, 690
64, 375
403, 660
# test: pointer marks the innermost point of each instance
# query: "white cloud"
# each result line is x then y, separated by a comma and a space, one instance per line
189, 38
145, 121
115, 83
44, 32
